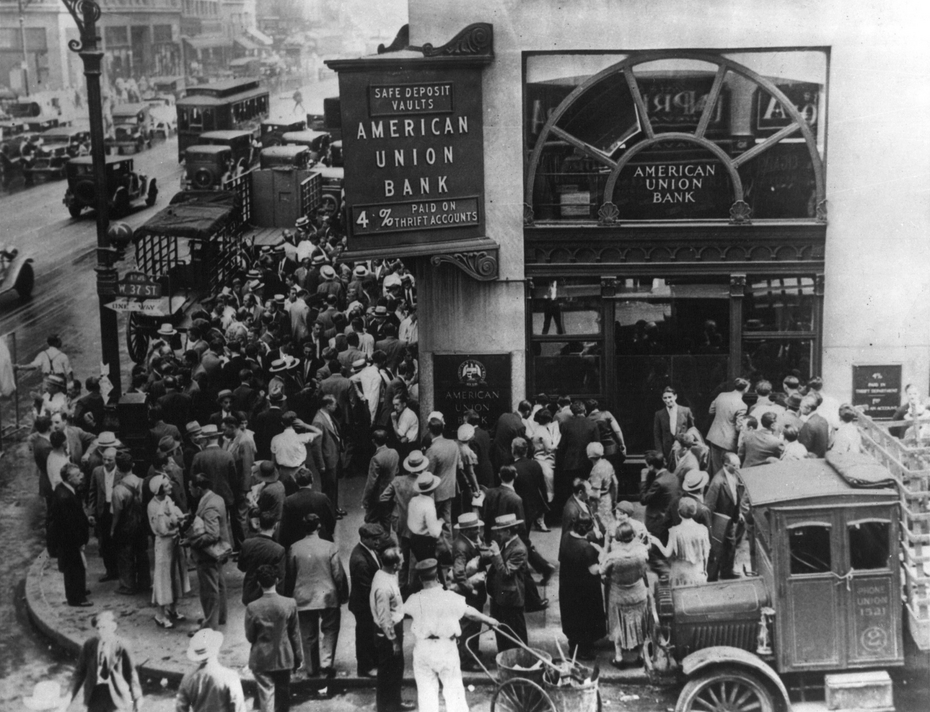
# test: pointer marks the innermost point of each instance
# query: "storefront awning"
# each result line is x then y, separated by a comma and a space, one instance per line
247, 44
261, 37
207, 41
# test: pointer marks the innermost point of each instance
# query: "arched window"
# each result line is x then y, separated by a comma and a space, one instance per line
675, 135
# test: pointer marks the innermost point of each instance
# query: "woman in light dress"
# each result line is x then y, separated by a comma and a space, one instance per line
624, 568
545, 441
170, 580
603, 481
688, 547
847, 437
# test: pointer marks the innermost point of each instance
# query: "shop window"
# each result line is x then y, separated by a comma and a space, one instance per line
567, 367
781, 304
161, 34
809, 548
773, 359
115, 37
566, 306
869, 545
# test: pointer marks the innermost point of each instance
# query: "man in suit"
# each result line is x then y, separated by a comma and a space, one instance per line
100, 499
176, 406
326, 450
364, 562
268, 424
399, 493
815, 433
207, 544
273, 629
723, 498
129, 528
469, 573
529, 483
391, 345
383, 468
792, 415
571, 459
759, 445
303, 502
220, 467
728, 410
659, 492
257, 551
69, 535
508, 427
669, 421
506, 584
502, 499
210, 687
105, 662
444, 461
481, 446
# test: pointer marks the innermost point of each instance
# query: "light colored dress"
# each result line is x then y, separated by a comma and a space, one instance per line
688, 550
603, 479
169, 580
625, 567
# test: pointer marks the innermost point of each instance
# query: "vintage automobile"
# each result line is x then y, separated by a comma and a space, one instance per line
132, 128
16, 272
316, 141
189, 251
174, 86
284, 157
15, 153
206, 167
164, 115
826, 596
273, 129
240, 142
124, 186
335, 154
333, 193
55, 149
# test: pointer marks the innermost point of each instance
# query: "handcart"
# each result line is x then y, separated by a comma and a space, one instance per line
530, 681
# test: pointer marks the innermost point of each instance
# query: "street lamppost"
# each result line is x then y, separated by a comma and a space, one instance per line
85, 14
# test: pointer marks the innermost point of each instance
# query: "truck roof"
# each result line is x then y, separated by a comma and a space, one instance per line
224, 135
129, 109
194, 214
811, 482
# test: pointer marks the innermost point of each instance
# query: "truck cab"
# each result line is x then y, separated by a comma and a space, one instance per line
316, 141
132, 128
273, 129
241, 143
285, 157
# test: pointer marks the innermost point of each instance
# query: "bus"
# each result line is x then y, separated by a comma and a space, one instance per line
235, 104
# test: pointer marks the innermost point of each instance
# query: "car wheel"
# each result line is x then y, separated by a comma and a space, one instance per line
25, 282
75, 211
727, 689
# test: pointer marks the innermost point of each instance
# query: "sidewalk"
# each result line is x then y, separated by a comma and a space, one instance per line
160, 653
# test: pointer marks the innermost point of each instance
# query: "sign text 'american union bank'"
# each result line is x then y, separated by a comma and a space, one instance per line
413, 148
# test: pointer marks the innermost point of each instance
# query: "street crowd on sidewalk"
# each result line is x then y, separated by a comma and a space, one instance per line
304, 372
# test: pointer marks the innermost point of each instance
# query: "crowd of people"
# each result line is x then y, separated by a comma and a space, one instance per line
302, 373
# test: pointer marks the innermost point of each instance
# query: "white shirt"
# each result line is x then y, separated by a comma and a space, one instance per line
421, 516
289, 449
56, 460
108, 477
370, 381
386, 603
436, 613
673, 418
406, 425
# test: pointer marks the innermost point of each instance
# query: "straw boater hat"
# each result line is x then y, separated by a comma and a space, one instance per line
436, 415
167, 330
302, 221
416, 462
328, 272
253, 274
359, 364
279, 249
283, 364
54, 379
206, 643
506, 521
46, 695
107, 439
360, 271
225, 393
465, 432
695, 481
468, 520
427, 482
319, 258
209, 432
279, 298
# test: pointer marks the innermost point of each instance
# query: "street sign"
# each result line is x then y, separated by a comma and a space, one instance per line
878, 388
137, 284
147, 307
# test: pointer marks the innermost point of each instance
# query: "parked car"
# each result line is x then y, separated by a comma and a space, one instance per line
15, 152
16, 272
205, 167
273, 129
124, 186
240, 142
335, 154
132, 128
316, 141
284, 157
55, 149
164, 115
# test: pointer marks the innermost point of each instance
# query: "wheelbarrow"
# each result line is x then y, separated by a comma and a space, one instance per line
529, 681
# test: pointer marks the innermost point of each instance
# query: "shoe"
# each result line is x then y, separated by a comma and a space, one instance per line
541, 526
81, 604
108, 577
163, 622
341, 512
177, 616
619, 664
328, 673
125, 591
543, 605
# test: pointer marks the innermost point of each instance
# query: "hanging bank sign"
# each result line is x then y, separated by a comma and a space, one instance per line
412, 134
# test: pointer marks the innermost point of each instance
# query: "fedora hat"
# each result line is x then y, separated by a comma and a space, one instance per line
266, 471
381, 310
328, 272
46, 695
205, 643
168, 445
55, 379
416, 462
193, 429
208, 432
436, 415
107, 439
695, 481
468, 520
166, 330
277, 396
427, 482
506, 521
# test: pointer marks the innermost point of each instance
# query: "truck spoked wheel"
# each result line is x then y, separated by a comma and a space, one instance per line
521, 695
137, 338
725, 690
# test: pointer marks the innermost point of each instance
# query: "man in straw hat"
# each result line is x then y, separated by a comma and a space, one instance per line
210, 687
692, 487
400, 491
105, 670
422, 521
436, 615
470, 558
506, 579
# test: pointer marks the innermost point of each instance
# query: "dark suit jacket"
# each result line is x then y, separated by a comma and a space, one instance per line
124, 686
719, 499
758, 446
97, 491
296, 506
481, 445
505, 575
267, 425
815, 435
258, 551
41, 447
272, 627
325, 450
531, 486
176, 409
362, 569
659, 492
343, 390
69, 529
508, 427
220, 466
499, 501
577, 433
662, 434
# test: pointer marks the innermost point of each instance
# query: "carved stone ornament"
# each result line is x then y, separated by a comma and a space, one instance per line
740, 212
608, 213
528, 216
822, 211
475, 40
480, 265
